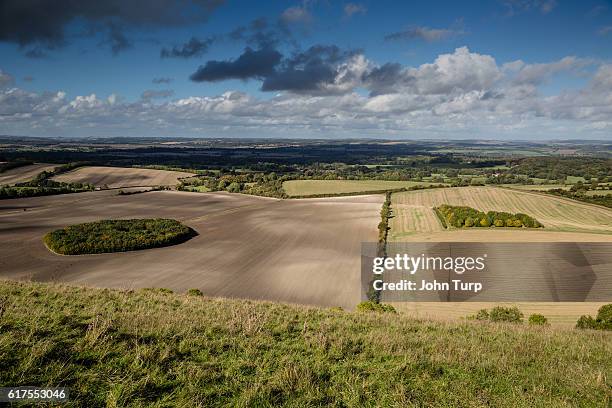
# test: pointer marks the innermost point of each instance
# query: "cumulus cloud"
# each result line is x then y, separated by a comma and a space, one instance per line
538, 73
250, 64
462, 93
319, 69
192, 48
351, 9
43, 23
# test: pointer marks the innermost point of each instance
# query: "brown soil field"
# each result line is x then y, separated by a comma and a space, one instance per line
119, 177
414, 218
25, 173
299, 251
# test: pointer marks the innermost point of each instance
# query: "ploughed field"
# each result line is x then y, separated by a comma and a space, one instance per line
24, 173
302, 251
119, 177
295, 188
564, 220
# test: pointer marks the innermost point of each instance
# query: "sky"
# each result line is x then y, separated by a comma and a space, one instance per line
497, 69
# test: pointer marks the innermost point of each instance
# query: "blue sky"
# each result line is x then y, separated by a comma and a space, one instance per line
547, 62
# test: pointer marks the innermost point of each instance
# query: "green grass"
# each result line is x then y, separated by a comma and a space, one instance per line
153, 349
316, 187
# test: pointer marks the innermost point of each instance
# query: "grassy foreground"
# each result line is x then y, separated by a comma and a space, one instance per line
149, 348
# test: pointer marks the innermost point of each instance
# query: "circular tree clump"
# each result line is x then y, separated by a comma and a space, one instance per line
117, 236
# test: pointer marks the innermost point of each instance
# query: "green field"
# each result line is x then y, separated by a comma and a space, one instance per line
316, 187
153, 348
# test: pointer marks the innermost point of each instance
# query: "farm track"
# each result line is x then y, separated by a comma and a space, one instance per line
300, 251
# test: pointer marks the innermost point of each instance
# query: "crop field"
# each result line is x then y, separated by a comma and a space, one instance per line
556, 214
315, 187
247, 246
24, 173
118, 177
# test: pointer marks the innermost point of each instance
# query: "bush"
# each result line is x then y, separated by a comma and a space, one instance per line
483, 314
117, 236
538, 319
602, 322
506, 314
195, 292
586, 322
604, 314
370, 306
158, 290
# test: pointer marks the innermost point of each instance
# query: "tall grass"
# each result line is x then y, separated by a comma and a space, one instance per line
149, 348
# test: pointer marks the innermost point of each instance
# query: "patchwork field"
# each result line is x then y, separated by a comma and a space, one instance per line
316, 187
248, 247
414, 218
24, 173
119, 177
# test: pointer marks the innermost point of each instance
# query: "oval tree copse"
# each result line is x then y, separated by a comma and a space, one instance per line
117, 236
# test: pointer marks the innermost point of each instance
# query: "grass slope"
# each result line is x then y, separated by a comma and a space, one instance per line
151, 348
316, 187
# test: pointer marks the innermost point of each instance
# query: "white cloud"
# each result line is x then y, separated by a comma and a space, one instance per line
462, 93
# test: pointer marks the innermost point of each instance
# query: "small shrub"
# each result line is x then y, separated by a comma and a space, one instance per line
602, 322
369, 306
604, 314
586, 322
538, 319
483, 314
158, 290
195, 292
506, 314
